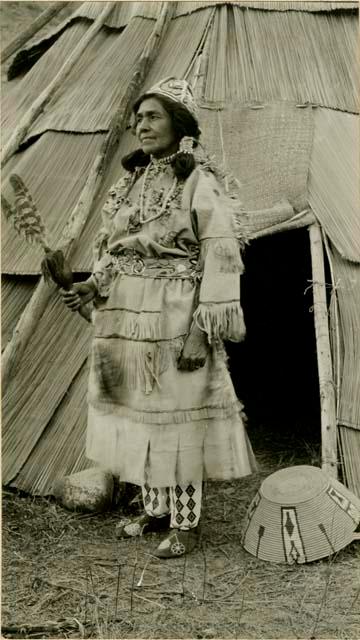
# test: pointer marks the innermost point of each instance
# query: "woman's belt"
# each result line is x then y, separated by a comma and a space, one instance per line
135, 264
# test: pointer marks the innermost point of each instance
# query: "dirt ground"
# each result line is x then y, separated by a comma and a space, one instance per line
64, 575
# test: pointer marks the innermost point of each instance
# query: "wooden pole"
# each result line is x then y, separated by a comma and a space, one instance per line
203, 61
38, 105
37, 304
326, 376
35, 26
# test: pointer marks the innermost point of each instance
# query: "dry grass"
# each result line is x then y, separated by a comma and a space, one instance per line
65, 575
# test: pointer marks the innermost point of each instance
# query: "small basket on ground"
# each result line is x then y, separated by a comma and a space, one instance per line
300, 515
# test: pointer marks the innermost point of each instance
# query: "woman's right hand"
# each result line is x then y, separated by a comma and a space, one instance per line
79, 294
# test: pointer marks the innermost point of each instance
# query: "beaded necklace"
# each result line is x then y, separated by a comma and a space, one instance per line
158, 165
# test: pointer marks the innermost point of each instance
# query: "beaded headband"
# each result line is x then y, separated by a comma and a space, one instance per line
177, 91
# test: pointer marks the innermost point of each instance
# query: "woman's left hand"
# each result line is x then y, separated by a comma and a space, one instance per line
195, 350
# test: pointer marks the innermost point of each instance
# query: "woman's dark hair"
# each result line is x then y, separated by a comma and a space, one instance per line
184, 124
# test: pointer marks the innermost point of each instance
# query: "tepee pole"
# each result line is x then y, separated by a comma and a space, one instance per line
201, 62
326, 378
38, 105
35, 26
35, 308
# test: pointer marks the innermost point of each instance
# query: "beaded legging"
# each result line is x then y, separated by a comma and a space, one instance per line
183, 503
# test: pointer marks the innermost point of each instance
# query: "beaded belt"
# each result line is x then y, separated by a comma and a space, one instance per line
137, 265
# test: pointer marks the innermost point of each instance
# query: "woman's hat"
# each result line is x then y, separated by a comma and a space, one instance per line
299, 515
177, 91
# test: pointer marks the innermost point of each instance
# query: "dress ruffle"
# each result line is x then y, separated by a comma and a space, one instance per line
169, 454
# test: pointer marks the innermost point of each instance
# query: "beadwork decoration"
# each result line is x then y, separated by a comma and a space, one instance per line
118, 194
135, 264
159, 202
162, 162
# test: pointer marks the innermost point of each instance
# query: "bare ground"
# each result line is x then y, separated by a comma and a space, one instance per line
66, 576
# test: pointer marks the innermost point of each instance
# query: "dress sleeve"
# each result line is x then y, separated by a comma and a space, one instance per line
219, 312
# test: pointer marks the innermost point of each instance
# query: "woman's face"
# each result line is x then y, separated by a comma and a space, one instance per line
154, 129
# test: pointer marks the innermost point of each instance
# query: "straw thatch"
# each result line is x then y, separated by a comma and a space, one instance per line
264, 66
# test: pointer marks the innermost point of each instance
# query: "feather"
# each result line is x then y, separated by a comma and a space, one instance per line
28, 223
25, 216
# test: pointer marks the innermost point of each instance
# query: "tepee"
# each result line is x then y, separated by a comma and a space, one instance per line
278, 88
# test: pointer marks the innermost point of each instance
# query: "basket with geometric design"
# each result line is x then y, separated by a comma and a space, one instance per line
299, 515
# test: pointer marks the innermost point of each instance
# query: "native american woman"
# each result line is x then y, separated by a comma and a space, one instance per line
165, 288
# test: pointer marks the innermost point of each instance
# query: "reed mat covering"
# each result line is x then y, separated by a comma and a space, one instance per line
97, 82
347, 288
124, 12
345, 334
85, 15
349, 440
253, 56
51, 360
334, 179
179, 47
19, 98
61, 448
15, 294
270, 5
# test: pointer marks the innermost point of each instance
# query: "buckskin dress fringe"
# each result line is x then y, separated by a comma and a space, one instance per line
148, 421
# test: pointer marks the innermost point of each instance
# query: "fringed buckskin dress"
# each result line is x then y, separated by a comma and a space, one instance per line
166, 257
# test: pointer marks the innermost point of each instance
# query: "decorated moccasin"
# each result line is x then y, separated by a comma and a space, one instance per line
141, 525
299, 515
178, 543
